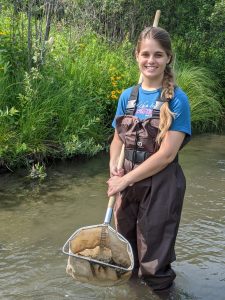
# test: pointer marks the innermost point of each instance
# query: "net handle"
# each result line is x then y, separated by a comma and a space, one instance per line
156, 18
112, 199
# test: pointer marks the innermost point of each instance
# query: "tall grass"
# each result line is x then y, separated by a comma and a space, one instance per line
202, 90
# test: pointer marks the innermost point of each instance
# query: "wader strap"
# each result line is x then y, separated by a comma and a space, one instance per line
131, 104
156, 109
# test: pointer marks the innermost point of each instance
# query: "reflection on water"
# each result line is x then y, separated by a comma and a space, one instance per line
36, 218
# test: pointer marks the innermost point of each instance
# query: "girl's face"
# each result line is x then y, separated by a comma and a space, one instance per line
152, 60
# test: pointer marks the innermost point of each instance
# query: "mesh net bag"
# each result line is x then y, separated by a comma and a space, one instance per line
99, 255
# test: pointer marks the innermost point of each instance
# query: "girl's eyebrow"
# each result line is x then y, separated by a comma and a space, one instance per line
157, 52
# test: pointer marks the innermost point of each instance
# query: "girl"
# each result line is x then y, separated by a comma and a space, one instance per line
153, 121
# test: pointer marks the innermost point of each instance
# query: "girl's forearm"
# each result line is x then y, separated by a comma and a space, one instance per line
115, 149
149, 167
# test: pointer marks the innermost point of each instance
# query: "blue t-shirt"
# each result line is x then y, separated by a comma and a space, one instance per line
146, 101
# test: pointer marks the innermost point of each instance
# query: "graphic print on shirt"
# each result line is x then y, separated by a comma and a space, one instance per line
145, 104
144, 110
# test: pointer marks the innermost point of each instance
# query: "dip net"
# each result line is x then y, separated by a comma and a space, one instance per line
99, 255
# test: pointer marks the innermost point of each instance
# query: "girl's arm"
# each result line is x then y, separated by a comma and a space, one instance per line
115, 149
154, 164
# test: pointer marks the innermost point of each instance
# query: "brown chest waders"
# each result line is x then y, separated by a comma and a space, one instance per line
148, 213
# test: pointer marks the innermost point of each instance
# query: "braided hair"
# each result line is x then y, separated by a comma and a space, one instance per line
168, 83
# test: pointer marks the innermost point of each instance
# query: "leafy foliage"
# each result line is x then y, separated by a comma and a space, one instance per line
66, 108
63, 65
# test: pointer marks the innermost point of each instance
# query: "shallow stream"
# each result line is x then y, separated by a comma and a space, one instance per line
36, 218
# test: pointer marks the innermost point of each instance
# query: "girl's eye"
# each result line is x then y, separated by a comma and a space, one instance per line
158, 55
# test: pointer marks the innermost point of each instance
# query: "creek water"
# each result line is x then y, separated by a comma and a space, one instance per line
36, 218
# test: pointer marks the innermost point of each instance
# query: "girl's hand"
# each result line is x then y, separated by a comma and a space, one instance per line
114, 171
116, 184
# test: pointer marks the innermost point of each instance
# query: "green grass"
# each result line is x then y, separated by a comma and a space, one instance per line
202, 90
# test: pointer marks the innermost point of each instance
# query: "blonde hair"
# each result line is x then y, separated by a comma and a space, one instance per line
168, 83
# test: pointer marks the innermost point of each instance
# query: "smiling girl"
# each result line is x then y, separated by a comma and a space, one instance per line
153, 121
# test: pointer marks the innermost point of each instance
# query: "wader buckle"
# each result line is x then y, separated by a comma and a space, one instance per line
136, 156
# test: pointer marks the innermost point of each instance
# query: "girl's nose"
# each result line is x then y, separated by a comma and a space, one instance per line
151, 58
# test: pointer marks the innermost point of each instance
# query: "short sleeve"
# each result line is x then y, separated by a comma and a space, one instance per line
181, 107
122, 104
